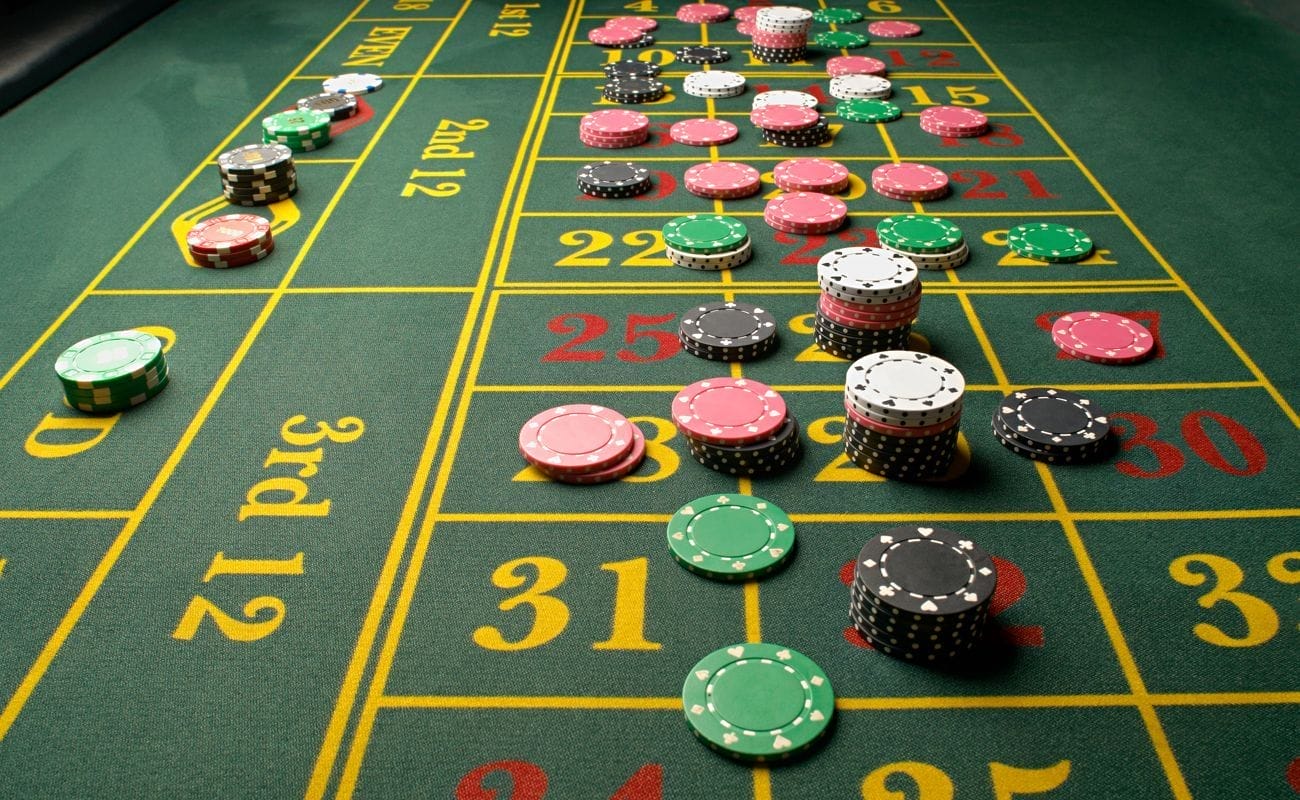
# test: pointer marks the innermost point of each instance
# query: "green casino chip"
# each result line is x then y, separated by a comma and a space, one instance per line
705, 234
867, 110
758, 702
1049, 241
914, 233
730, 537
109, 360
298, 123
841, 39
837, 16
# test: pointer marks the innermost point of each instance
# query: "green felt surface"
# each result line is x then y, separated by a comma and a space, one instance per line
316, 565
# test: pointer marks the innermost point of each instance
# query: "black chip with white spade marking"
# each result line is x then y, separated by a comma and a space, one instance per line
1053, 420
926, 570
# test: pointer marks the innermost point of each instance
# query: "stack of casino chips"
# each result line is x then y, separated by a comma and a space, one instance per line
1053, 426
298, 130
842, 40
629, 89
728, 331
631, 68
624, 33
737, 426
909, 182
703, 13
930, 242
811, 175
339, 106
780, 34
791, 125
716, 84
722, 180
582, 444
707, 242
613, 179
903, 414
857, 86
805, 213
702, 54
258, 174
230, 240
855, 65
954, 122
922, 593
614, 128
870, 297
112, 372
745, 16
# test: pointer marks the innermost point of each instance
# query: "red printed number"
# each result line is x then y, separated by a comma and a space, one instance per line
587, 328
1198, 428
522, 780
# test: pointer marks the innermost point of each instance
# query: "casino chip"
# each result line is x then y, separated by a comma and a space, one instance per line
353, 83
614, 128
615, 37
112, 372
731, 537
867, 110
714, 83
257, 174
894, 29
613, 179
805, 213
582, 443
705, 234
230, 240
632, 69
299, 130
845, 40
701, 54
723, 180
860, 87
922, 593
758, 701
930, 242
728, 411
811, 175
1049, 241
703, 13
1102, 337
870, 298
633, 89
338, 106
909, 182
784, 118
854, 65
728, 331
837, 16
954, 122
703, 132
784, 97
643, 24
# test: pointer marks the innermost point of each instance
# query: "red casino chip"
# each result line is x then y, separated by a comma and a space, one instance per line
784, 118
703, 132
805, 212
626, 466
615, 121
855, 65
228, 233
703, 13
908, 180
728, 411
576, 439
894, 29
642, 24
613, 37
811, 175
1102, 337
897, 430
723, 179
746, 13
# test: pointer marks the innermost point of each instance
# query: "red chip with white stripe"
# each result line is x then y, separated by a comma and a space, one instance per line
894, 29
728, 411
723, 179
811, 175
1102, 337
703, 12
954, 118
855, 65
908, 178
784, 118
576, 438
643, 24
703, 132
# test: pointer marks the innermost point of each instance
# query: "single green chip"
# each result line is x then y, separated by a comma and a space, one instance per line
109, 359
730, 537
915, 233
841, 39
757, 701
867, 110
1049, 241
837, 15
295, 123
705, 234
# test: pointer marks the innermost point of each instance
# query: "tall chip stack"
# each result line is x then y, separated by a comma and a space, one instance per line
903, 414
870, 298
737, 426
780, 34
258, 174
922, 593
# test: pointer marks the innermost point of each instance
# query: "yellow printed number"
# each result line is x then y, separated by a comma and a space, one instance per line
884, 7
830, 431
932, 783
591, 242
233, 629
1260, 618
803, 325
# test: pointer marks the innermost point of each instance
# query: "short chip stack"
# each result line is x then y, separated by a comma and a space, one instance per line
707, 242
909, 182
112, 372
703, 132
930, 242
614, 128
737, 426
299, 130
867, 110
613, 179
841, 40
722, 180
922, 593
728, 331
582, 444
1053, 426
716, 84
805, 213
230, 240
258, 174
631, 68
703, 13
855, 65
780, 34
731, 537
856, 86
870, 298
338, 106
620, 36
903, 414
954, 122
633, 89
791, 125
811, 175
702, 54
